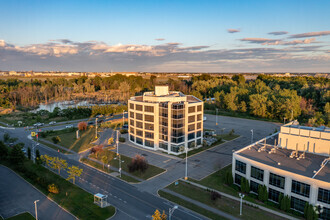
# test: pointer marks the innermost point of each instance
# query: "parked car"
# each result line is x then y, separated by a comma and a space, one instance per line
99, 116
90, 122
69, 126
52, 122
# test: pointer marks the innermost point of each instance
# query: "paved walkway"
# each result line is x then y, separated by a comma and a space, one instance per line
202, 205
17, 196
244, 201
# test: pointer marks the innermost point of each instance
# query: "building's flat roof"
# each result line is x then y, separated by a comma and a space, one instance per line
321, 128
306, 167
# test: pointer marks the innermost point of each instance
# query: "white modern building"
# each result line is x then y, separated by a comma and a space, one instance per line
294, 162
166, 120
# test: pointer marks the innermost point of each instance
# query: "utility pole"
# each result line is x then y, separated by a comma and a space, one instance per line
251, 136
186, 176
123, 117
35, 208
292, 115
216, 116
117, 142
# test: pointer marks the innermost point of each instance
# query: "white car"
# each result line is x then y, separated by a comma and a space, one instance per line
52, 122
69, 126
204, 118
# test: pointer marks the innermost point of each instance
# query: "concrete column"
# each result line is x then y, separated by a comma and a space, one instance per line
202, 122
156, 126
266, 177
186, 106
169, 113
313, 194
248, 171
287, 185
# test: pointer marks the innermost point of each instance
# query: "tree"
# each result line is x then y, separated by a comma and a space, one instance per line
164, 216
56, 139
104, 160
156, 215
74, 172
245, 186
239, 78
38, 160
6, 137
3, 150
82, 126
16, 155
29, 153
110, 141
229, 178
262, 193
57, 163
309, 212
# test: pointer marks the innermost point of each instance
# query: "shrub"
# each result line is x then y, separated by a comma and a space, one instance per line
56, 139
43, 134
215, 195
138, 163
122, 139
262, 193
229, 178
82, 126
232, 132
123, 131
52, 188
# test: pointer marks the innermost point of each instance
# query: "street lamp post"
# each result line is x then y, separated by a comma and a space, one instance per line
186, 176
170, 211
35, 208
241, 195
117, 141
251, 136
33, 154
216, 116
123, 117
284, 119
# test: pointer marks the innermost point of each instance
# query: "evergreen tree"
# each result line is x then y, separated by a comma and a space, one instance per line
16, 155
38, 161
3, 150
29, 153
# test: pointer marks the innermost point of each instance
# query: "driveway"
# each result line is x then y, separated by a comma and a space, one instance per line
17, 196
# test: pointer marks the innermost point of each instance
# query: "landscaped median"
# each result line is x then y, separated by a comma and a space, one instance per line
22, 216
109, 157
69, 196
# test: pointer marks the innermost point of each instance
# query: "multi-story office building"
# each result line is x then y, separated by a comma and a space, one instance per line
166, 120
297, 166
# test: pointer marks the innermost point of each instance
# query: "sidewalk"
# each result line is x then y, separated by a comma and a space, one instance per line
244, 201
202, 205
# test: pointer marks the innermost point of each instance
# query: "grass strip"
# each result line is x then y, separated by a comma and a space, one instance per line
22, 216
53, 146
189, 205
71, 197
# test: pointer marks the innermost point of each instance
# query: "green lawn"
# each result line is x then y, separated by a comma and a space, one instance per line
150, 172
228, 137
53, 146
105, 169
189, 205
71, 197
68, 139
22, 216
224, 204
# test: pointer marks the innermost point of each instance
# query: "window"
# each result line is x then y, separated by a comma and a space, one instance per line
191, 119
325, 214
276, 180
199, 125
148, 126
163, 145
199, 108
131, 114
149, 143
178, 140
297, 204
139, 124
131, 130
148, 135
191, 109
300, 188
131, 137
273, 195
254, 186
139, 140
139, 116
131, 122
175, 148
199, 141
191, 136
149, 118
191, 127
148, 108
139, 133
257, 173
131, 106
198, 134
238, 179
199, 117
191, 144
240, 166
324, 196
139, 107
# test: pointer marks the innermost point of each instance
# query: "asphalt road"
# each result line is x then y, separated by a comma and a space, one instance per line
128, 199
17, 196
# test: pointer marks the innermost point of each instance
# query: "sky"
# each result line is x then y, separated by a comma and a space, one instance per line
165, 36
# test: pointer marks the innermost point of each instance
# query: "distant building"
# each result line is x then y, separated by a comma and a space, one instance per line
166, 120
294, 162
